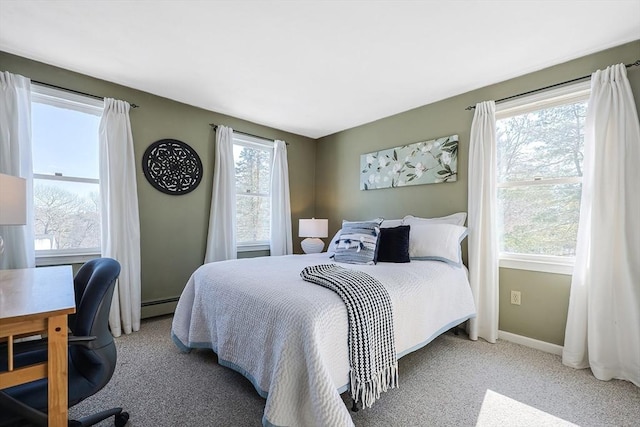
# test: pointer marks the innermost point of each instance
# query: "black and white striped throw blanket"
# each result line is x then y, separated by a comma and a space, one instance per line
372, 350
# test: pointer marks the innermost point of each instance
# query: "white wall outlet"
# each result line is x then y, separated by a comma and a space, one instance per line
516, 298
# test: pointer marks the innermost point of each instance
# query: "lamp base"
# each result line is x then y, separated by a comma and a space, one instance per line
312, 245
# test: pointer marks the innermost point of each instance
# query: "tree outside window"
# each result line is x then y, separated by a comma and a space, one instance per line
253, 200
66, 177
540, 156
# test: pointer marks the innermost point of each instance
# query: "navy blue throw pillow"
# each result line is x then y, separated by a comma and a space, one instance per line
394, 244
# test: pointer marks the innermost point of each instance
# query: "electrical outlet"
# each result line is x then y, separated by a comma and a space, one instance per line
516, 298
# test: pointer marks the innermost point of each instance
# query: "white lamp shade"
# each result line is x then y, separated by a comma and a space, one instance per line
313, 228
13, 200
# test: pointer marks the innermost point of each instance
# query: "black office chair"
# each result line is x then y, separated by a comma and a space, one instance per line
92, 353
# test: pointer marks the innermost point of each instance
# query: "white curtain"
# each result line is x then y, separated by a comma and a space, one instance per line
119, 213
15, 160
482, 201
281, 236
221, 240
603, 324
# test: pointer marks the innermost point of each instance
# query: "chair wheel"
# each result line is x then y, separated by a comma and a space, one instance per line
121, 419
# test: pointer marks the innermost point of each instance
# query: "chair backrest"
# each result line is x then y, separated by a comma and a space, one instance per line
95, 279
94, 285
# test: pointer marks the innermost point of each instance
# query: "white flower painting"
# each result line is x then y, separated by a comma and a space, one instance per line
425, 162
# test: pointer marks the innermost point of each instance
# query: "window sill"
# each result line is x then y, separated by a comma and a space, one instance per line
64, 259
544, 264
253, 248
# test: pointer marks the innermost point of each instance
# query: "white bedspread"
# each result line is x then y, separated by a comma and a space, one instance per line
289, 337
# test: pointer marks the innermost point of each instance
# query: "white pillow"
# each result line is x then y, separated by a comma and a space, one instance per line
390, 223
438, 242
331, 250
456, 219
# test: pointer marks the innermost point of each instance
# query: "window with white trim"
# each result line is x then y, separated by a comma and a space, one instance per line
540, 143
66, 174
253, 159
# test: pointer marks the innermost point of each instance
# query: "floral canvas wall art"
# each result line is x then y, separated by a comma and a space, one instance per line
425, 162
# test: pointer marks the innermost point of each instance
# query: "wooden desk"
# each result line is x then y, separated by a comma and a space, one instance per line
35, 301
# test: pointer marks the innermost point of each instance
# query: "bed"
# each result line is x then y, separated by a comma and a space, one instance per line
289, 337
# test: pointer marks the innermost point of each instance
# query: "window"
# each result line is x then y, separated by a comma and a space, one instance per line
253, 159
66, 175
540, 152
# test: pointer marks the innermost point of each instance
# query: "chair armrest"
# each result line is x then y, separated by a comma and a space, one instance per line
81, 340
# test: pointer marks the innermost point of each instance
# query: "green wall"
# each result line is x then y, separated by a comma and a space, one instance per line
174, 228
545, 297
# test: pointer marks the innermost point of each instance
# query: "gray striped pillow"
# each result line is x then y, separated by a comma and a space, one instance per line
358, 242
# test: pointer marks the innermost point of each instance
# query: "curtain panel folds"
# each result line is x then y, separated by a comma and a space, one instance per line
603, 324
16, 160
221, 239
281, 235
481, 223
120, 220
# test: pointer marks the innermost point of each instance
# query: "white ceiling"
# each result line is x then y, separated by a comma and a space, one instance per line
312, 67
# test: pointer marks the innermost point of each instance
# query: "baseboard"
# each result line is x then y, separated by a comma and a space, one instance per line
158, 307
531, 342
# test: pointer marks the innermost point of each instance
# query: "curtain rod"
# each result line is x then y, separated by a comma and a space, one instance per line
215, 127
74, 91
471, 107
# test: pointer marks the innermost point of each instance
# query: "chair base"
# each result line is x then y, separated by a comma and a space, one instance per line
120, 419
38, 418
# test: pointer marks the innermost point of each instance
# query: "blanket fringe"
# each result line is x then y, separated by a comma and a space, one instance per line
369, 391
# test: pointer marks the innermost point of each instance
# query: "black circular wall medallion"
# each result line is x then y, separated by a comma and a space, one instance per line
172, 167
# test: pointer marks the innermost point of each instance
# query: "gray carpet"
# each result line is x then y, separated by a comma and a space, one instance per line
450, 382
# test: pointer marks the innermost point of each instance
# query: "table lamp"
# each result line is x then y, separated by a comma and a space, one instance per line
13, 202
312, 229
